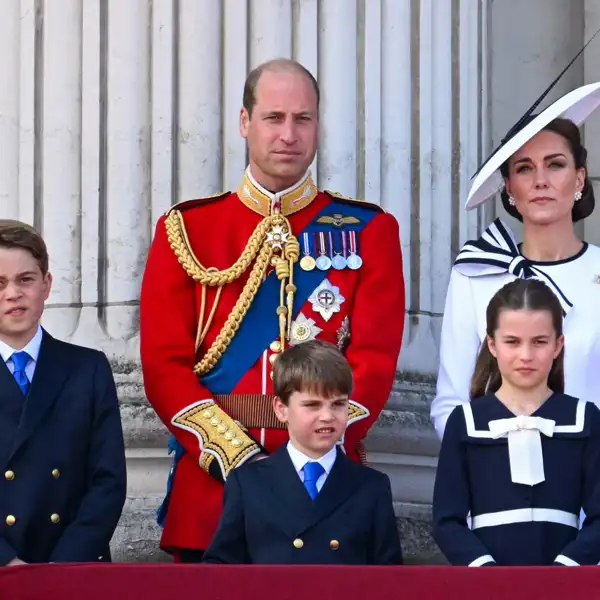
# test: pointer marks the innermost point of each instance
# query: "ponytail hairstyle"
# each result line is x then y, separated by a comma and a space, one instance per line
520, 294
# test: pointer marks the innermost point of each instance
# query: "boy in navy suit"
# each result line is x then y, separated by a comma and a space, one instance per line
308, 503
61, 443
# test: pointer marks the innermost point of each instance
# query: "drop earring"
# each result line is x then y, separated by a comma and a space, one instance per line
578, 196
511, 201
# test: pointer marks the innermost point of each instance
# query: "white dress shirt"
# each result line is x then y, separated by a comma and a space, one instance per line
32, 348
299, 459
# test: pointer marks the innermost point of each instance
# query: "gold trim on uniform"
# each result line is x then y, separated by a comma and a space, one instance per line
271, 244
263, 202
218, 434
357, 412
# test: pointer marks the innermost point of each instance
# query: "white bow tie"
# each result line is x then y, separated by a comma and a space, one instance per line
524, 445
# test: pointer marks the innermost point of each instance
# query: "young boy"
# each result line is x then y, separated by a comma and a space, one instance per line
61, 443
308, 503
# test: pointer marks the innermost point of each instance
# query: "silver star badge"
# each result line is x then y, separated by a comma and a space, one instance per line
326, 299
303, 330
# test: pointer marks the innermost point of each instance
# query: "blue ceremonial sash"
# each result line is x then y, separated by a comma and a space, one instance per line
260, 326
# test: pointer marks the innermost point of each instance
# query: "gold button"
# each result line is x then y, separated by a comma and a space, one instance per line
208, 413
100, 557
215, 421
275, 346
11, 520
298, 543
236, 442
55, 473
222, 428
54, 518
229, 435
334, 544
10, 475
273, 358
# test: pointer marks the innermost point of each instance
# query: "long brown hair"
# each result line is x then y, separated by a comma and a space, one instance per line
520, 294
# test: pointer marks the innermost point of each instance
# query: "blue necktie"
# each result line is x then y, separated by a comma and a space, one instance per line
312, 472
20, 360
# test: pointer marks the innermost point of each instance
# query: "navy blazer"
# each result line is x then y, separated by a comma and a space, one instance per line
62, 458
269, 518
513, 523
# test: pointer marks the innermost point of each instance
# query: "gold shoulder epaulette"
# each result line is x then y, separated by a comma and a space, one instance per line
341, 198
185, 204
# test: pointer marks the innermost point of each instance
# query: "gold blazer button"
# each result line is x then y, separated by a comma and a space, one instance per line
298, 543
55, 473
55, 518
334, 544
9, 475
11, 520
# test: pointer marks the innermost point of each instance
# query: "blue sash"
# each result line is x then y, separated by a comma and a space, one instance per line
260, 326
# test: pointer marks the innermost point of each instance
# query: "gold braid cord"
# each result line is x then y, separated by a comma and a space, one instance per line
272, 242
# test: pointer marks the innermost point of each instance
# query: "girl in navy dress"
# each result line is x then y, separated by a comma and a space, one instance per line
522, 458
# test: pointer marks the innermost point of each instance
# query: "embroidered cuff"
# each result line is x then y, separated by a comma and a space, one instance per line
356, 412
482, 560
224, 443
566, 561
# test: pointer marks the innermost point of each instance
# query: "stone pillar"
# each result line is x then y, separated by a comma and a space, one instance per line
112, 111
531, 43
591, 129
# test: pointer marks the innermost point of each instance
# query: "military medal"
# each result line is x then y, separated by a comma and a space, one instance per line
326, 299
354, 260
303, 330
307, 262
323, 261
338, 261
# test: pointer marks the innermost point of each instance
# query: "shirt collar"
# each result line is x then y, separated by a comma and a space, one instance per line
32, 347
299, 459
288, 201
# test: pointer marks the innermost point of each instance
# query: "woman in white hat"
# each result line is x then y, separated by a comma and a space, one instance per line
541, 171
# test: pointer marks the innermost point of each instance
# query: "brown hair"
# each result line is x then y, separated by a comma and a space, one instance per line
275, 65
570, 132
520, 294
316, 367
16, 234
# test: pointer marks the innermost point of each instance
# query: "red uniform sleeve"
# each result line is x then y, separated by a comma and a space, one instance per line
376, 322
168, 322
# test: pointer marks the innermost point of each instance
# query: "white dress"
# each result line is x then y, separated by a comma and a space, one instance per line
480, 270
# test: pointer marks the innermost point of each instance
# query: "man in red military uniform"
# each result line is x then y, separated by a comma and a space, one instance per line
233, 279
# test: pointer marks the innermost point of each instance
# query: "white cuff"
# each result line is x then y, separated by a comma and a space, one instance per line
482, 560
565, 560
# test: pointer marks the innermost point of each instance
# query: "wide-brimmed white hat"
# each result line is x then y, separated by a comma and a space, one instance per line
577, 105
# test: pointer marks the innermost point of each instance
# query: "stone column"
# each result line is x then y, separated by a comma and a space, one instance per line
112, 111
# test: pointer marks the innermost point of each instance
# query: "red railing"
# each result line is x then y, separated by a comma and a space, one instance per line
209, 582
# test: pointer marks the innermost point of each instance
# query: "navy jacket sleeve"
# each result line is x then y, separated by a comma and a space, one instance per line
100, 509
385, 548
452, 500
7, 552
585, 548
229, 545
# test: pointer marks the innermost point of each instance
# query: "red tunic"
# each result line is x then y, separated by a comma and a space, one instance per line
218, 230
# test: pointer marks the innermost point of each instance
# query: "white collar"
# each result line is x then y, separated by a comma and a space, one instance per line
32, 347
299, 459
